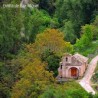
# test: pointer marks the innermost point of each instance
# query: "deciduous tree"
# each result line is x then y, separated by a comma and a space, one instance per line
52, 40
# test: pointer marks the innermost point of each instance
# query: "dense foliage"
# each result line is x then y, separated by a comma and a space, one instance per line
32, 41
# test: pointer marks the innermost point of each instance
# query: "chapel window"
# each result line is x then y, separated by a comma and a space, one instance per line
61, 66
66, 59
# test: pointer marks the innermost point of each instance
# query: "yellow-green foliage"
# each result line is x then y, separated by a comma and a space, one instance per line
33, 80
67, 90
53, 40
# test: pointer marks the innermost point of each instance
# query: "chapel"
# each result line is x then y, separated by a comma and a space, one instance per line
72, 66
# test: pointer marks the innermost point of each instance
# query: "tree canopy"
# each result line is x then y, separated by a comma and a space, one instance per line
33, 40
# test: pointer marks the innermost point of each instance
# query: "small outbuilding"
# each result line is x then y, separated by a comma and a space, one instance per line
72, 66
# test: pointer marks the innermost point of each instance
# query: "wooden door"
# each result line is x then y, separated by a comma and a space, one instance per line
74, 72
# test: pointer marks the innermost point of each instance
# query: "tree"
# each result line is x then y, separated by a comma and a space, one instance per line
66, 90
86, 38
34, 78
10, 26
95, 30
52, 40
52, 61
69, 32
71, 10
35, 21
4, 91
88, 34
35, 1
79, 12
47, 5
5, 81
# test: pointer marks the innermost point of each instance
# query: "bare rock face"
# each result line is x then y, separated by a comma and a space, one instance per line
25, 2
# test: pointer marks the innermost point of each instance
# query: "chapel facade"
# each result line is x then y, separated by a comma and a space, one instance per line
72, 66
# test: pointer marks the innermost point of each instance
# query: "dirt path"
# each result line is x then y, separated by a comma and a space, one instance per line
85, 82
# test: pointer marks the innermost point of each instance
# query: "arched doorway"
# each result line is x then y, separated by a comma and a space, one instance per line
74, 72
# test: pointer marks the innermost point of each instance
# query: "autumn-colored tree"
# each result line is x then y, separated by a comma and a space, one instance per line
53, 40
33, 78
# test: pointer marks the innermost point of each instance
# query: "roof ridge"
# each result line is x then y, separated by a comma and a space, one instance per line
80, 57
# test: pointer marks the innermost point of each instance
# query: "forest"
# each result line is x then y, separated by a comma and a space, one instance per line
33, 40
